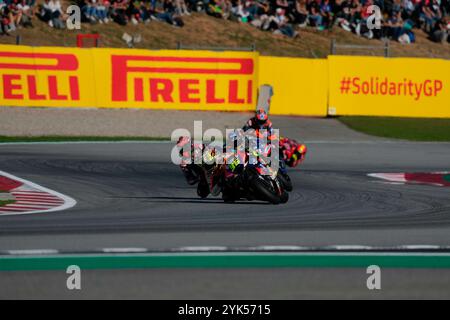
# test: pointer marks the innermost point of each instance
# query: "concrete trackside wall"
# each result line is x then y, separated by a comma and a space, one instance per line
222, 81
300, 85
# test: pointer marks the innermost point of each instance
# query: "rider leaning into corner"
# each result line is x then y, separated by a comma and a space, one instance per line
292, 153
259, 122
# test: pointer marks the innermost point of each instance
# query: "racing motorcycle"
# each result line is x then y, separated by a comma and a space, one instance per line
292, 153
239, 178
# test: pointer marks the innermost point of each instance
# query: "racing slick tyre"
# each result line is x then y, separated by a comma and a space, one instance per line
284, 197
203, 190
285, 181
228, 195
265, 190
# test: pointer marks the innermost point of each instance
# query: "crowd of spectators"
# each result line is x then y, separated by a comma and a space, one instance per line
15, 13
398, 18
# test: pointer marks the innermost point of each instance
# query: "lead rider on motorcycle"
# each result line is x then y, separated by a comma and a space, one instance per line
259, 122
291, 152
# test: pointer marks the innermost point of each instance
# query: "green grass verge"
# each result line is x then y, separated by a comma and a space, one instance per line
415, 129
4, 139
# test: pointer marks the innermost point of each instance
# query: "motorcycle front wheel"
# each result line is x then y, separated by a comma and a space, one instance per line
265, 190
285, 181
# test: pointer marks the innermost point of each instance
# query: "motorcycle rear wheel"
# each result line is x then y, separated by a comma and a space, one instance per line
203, 190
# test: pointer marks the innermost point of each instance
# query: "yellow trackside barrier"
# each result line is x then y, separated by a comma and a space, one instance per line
117, 78
300, 85
50, 77
222, 81
403, 87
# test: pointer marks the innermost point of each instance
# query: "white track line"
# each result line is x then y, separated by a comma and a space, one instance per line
124, 250
392, 177
201, 248
33, 252
68, 201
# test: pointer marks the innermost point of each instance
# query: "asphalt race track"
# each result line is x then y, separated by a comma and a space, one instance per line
131, 195
133, 187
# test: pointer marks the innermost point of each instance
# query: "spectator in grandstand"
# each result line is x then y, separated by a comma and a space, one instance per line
6, 18
165, 11
117, 12
399, 30
96, 11
342, 14
280, 24
26, 10
283, 4
258, 11
278, 16
314, 15
409, 8
181, 8
226, 6
431, 13
445, 4
214, 9
394, 25
301, 13
133, 13
52, 13
14, 15
362, 29
241, 13
103, 8
441, 30
327, 14
144, 11
12, 12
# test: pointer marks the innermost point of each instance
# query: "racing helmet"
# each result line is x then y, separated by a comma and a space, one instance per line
183, 140
261, 116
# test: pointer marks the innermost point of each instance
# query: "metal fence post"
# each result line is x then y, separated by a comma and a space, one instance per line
18, 40
386, 49
333, 46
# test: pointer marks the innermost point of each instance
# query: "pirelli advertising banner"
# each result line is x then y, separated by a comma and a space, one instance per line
51, 77
123, 78
404, 87
222, 81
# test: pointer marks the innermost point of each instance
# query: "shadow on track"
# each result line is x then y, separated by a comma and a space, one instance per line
192, 200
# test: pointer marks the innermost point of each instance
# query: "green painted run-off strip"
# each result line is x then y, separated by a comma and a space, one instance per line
16, 263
